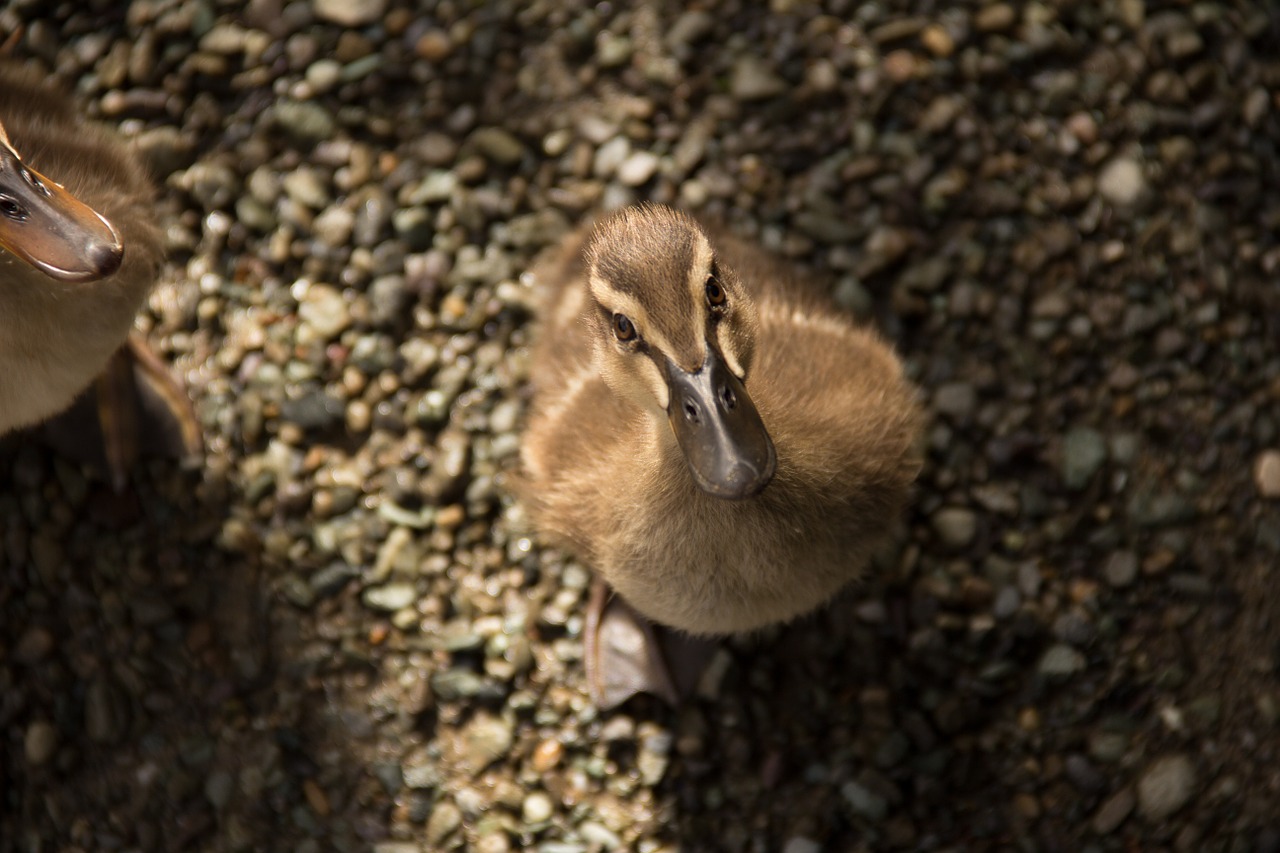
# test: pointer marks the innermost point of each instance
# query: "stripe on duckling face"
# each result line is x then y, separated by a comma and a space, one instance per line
649, 273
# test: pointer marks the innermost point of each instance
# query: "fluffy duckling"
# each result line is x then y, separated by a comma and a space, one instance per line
722, 445
82, 250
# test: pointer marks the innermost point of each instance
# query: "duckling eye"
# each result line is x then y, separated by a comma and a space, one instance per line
715, 293
11, 209
623, 328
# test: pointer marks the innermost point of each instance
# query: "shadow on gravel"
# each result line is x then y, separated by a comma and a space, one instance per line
149, 698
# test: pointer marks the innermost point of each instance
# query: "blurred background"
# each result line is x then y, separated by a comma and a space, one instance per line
338, 633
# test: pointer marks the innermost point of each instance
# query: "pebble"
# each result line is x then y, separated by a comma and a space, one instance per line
937, 41
863, 802
995, 17
485, 739
106, 710
1122, 182
1060, 661
498, 145
1083, 452
537, 808
1113, 811
1266, 473
752, 80
956, 400
390, 597
955, 526
801, 844
1121, 569
350, 13
40, 742
444, 821
637, 168
1165, 786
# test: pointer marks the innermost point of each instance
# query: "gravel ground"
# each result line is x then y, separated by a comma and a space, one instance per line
338, 634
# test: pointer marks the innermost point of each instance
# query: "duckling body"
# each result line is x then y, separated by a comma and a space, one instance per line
81, 250
612, 474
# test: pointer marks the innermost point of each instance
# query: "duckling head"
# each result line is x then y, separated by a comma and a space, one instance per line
674, 331
49, 228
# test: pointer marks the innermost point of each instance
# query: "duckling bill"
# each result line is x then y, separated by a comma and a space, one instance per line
729, 451
50, 228
721, 444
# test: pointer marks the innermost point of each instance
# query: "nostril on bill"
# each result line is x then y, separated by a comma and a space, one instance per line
728, 398
691, 413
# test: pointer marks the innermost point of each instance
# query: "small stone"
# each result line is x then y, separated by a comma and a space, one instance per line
106, 711
956, 400
937, 41
1166, 786
1113, 812
994, 18
547, 755
1083, 452
391, 597
433, 45
863, 801
752, 80
599, 836
900, 65
1266, 473
484, 740
40, 742
1060, 661
444, 821
1122, 182
537, 807
637, 168
1108, 747
325, 311
800, 844
350, 13
1121, 569
33, 646
955, 526
498, 145
304, 120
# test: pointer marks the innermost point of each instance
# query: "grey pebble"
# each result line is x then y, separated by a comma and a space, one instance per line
864, 802
1121, 569
1165, 786
1060, 661
1083, 452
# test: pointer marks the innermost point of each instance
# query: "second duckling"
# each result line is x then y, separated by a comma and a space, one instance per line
721, 444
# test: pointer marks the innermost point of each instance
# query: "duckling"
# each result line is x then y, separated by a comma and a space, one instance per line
719, 442
82, 250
